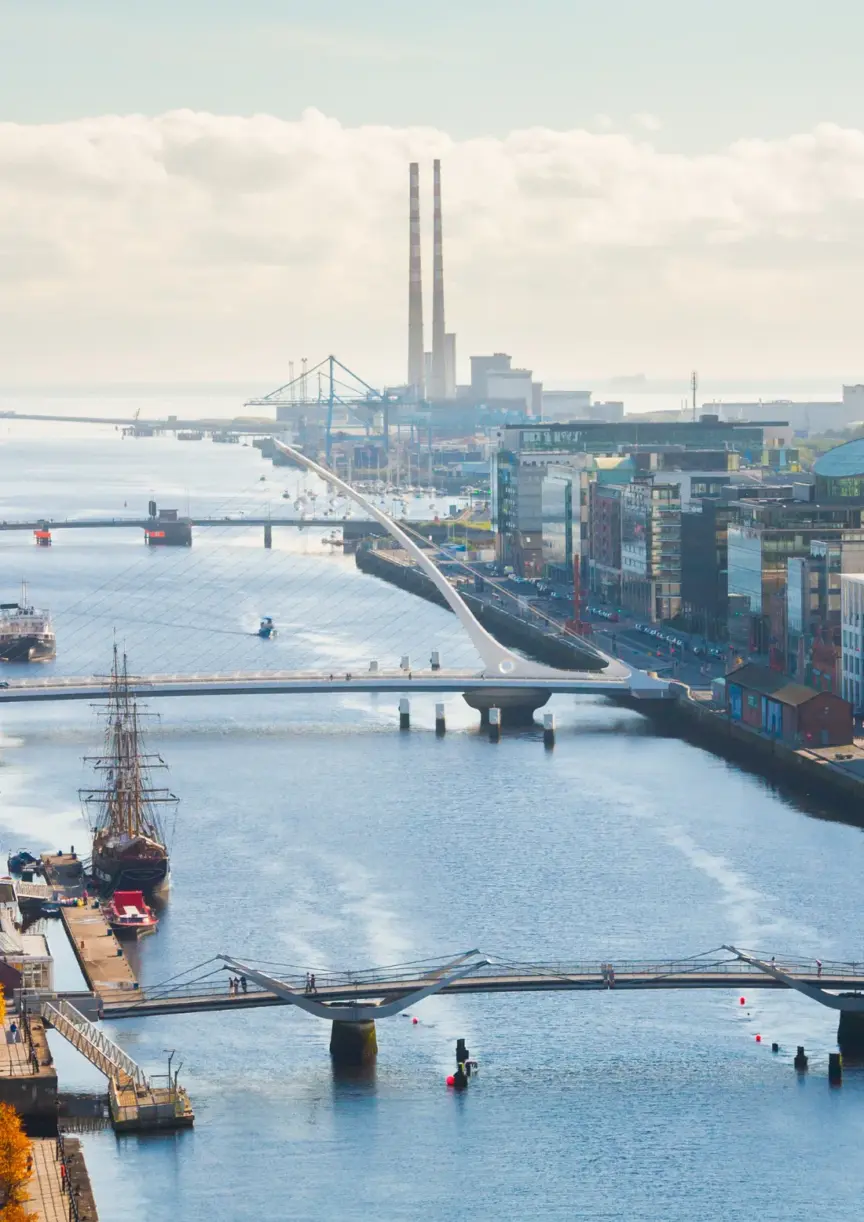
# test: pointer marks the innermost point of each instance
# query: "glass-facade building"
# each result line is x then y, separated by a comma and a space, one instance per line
651, 549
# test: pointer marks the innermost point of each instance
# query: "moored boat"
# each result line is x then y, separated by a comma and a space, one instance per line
129, 914
26, 634
126, 813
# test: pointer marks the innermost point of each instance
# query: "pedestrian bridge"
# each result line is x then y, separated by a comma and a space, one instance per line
374, 993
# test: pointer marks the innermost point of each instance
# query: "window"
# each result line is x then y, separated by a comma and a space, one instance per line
752, 701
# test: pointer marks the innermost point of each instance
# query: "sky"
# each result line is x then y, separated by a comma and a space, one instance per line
205, 190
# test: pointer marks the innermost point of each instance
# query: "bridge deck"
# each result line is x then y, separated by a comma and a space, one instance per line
739, 978
309, 683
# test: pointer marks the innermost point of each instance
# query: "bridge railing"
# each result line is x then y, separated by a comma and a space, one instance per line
416, 974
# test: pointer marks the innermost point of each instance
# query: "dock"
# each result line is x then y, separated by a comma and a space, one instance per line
58, 1172
100, 956
28, 1079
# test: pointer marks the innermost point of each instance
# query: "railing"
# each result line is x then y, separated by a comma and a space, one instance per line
91, 1042
65, 1181
403, 975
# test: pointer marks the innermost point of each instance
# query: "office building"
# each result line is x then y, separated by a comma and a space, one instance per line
852, 638
762, 536
813, 609
651, 549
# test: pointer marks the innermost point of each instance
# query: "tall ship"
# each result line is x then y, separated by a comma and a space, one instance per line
128, 814
26, 634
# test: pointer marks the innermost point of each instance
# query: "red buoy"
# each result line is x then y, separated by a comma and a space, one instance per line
415, 1021
451, 1081
758, 1039
742, 1001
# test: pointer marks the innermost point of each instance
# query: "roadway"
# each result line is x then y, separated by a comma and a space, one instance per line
297, 683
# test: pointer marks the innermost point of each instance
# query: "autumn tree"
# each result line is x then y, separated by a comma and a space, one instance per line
15, 1162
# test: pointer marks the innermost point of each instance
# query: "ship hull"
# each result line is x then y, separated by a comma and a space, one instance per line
27, 648
128, 873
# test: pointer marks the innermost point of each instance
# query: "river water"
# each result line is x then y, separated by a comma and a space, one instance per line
311, 832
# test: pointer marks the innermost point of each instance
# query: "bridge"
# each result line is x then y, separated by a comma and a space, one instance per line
383, 992
508, 681
353, 1001
88, 687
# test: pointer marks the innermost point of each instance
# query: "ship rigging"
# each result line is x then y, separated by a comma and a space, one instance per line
128, 814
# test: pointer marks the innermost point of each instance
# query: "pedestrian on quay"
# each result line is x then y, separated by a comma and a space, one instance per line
243, 983
13, 1031
818, 967
312, 983
308, 988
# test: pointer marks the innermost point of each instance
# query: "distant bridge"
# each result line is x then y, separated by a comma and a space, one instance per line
335, 519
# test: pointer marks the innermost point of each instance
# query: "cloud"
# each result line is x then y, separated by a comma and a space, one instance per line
192, 245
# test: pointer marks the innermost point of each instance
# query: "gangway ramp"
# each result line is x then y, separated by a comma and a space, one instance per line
93, 1044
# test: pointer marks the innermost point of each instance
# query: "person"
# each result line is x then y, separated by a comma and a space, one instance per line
13, 1031
243, 983
312, 983
308, 988
818, 967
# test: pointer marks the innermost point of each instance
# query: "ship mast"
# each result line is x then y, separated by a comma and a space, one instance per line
128, 804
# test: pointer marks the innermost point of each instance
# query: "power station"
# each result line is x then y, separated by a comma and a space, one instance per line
431, 375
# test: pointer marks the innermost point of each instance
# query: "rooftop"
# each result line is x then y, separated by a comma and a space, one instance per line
847, 459
771, 683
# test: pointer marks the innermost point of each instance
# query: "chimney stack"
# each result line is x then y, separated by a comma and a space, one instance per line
438, 386
416, 377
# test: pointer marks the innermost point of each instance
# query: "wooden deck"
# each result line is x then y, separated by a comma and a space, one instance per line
100, 956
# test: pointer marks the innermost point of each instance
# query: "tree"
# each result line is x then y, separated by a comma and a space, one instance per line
2, 1004
16, 1212
15, 1162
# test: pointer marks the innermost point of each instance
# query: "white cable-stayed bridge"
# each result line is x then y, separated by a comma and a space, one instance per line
493, 675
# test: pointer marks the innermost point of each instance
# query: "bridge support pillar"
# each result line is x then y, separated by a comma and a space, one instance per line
517, 706
850, 1034
268, 535
440, 723
404, 713
353, 1043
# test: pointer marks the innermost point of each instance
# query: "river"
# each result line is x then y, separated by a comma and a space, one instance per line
311, 832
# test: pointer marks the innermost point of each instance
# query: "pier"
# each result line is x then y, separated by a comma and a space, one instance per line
100, 956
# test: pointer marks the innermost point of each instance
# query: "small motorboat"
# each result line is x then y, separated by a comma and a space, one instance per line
21, 861
266, 629
129, 914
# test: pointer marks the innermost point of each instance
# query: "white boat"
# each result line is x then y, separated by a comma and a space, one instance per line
26, 633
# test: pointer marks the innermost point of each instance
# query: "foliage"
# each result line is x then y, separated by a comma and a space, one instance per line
15, 1154
2, 1005
16, 1212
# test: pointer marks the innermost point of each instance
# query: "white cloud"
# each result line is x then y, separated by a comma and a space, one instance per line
649, 122
193, 245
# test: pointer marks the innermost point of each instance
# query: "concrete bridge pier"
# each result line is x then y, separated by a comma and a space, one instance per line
517, 706
850, 1032
353, 1044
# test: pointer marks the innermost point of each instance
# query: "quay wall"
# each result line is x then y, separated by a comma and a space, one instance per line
506, 628
776, 761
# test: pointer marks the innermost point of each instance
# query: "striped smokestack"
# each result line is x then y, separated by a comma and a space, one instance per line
438, 386
416, 377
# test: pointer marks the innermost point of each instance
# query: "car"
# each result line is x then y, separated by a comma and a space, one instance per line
3, 683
